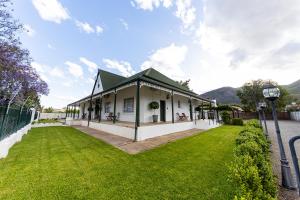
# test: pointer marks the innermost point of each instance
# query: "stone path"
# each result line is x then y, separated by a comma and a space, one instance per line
132, 147
288, 130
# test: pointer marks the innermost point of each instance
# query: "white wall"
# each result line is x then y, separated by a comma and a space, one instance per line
147, 95
52, 115
98, 87
295, 116
145, 132
9, 141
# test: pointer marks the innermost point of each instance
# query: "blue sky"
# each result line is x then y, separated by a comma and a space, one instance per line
214, 43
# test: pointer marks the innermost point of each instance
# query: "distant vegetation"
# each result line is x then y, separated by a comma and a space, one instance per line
224, 95
227, 95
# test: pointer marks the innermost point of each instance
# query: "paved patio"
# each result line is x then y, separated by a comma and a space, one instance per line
132, 147
288, 129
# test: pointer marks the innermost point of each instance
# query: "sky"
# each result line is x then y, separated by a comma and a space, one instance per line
215, 43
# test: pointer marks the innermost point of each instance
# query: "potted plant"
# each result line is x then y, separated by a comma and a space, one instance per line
154, 106
198, 109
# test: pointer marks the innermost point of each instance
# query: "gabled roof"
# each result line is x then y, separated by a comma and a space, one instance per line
109, 80
145, 75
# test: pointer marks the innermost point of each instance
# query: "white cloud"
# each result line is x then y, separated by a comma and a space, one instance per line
124, 23
90, 81
91, 65
186, 12
256, 39
74, 69
272, 25
51, 10
168, 61
84, 26
99, 29
50, 46
151, 4
122, 66
67, 83
88, 28
38, 67
29, 30
56, 72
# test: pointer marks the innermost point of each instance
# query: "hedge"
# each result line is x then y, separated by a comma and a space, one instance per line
237, 122
251, 169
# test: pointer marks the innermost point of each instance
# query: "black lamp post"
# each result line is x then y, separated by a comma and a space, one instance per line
262, 106
272, 93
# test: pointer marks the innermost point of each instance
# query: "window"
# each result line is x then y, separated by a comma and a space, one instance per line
107, 107
128, 105
179, 104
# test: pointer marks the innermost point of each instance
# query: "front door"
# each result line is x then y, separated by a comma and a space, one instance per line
163, 111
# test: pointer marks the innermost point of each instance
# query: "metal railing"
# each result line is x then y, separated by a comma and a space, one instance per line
295, 160
13, 119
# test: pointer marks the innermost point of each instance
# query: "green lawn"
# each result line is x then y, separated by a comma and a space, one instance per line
64, 163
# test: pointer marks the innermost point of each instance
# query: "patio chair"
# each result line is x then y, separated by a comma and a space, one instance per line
184, 116
180, 118
110, 117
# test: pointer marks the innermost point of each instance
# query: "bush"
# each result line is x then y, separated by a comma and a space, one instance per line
226, 117
154, 105
237, 122
251, 169
253, 123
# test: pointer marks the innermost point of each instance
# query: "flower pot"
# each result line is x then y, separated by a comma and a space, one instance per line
155, 118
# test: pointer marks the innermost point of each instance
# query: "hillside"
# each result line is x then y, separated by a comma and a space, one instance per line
227, 95
294, 89
224, 95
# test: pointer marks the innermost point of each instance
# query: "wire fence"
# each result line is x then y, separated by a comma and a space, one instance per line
13, 119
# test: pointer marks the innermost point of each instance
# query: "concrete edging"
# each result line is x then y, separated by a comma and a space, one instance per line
8, 142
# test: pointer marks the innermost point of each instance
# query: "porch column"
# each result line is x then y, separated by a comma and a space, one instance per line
67, 112
100, 110
202, 111
172, 102
191, 110
74, 112
83, 110
137, 110
115, 103
78, 111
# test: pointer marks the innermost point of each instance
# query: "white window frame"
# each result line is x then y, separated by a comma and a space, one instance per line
126, 109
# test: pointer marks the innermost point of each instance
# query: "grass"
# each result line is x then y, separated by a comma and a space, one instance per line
64, 163
46, 121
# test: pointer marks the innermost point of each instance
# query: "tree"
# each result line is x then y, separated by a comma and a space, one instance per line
16, 74
251, 94
185, 83
48, 110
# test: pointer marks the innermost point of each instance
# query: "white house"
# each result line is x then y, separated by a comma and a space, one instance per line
120, 106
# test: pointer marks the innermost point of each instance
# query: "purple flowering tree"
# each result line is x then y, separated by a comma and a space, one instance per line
16, 74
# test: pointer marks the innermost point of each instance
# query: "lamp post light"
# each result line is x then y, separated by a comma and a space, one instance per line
272, 93
263, 106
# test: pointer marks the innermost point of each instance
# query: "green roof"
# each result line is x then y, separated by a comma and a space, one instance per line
150, 73
109, 80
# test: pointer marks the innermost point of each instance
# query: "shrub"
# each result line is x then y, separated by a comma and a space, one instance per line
253, 123
154, 105
237, 122
226, 117
251, 170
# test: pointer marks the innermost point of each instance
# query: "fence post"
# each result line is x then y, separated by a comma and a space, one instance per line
3, 120
295, 159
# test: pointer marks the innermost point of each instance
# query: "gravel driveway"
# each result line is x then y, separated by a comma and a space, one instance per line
288, 130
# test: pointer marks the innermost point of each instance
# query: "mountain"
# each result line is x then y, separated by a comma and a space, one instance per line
224, 95
227, 95
294, 89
